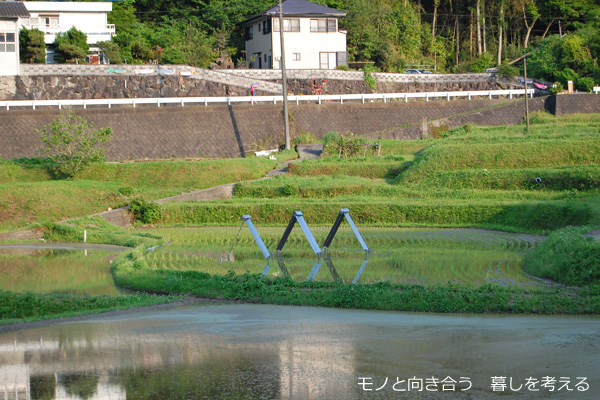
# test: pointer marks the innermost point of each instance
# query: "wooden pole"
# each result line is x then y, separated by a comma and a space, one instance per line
286, 120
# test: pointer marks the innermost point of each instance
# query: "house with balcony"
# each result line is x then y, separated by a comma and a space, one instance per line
312, 37
54, 17
10, 13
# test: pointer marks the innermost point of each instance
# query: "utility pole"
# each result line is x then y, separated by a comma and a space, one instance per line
526, 94
286, 120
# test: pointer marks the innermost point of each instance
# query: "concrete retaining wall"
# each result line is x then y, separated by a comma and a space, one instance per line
223, 131
574, 103
148, 132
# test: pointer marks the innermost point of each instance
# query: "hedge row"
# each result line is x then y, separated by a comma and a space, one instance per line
534, 216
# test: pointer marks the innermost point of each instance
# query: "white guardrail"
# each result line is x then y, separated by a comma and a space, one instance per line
182, 101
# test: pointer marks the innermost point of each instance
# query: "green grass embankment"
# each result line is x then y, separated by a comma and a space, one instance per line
528, 216
567, 257
29, 194
503, 155
380, 296
20, 307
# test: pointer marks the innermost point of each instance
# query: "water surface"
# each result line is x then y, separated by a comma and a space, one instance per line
73, 268
273, 352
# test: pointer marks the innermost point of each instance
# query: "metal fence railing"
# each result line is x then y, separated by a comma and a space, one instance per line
341, 98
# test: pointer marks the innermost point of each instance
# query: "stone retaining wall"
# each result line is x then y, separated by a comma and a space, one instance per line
127, 70
54, 87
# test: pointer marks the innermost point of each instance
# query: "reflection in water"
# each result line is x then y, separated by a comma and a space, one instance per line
315, 269
271, 352
46, 268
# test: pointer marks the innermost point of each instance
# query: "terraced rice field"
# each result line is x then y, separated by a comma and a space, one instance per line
410, 256
56, 271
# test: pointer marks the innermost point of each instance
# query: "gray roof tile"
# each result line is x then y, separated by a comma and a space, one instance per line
301, 7
13, 9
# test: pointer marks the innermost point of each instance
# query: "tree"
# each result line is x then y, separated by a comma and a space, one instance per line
32, 48
70, 45
72, 144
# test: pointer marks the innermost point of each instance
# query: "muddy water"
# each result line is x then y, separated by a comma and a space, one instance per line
274, 352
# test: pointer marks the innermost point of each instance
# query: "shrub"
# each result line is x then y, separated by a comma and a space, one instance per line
439, 131
304, 138
482, 63
145, 212
287, 190
127, 190
568, 257
367, 70
468, 127
557, 88
331, 138
507, 71
72, 144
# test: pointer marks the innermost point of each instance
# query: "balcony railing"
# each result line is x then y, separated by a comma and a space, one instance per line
52, 29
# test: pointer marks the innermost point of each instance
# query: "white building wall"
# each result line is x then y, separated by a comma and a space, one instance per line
307, 44
9, 61
260, 43
89, 17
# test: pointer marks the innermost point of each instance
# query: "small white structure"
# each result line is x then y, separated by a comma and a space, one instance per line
10, 12
54, 17
311, 35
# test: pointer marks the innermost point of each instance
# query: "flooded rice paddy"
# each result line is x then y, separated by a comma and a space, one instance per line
58, 268
239, 351
409, 256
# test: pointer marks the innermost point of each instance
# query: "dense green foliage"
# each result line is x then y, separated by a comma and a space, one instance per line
568, 257
393, 34
70, 46
144, 211
32, 47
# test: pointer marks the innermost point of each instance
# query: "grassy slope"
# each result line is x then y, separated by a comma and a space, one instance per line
503, 149
28, 193
477, 176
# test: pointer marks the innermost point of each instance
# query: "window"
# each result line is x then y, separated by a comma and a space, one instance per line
289, 25
331, 25
266, 26
259, 27
248, 33
48, 21
323, 25
265, 58
296, 57
7, 42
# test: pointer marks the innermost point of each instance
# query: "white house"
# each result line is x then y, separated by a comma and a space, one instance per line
10, 12
311, 36
53, 17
